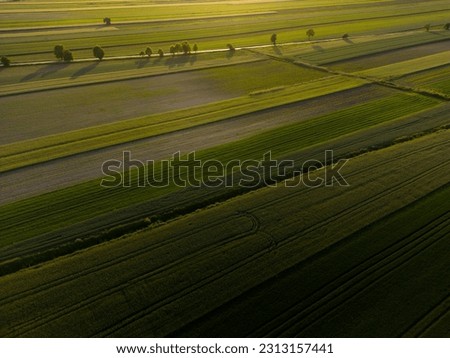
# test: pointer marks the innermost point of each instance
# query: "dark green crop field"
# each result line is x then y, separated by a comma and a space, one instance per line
247, 168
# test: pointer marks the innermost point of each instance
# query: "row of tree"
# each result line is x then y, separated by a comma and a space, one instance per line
66, 55
310, 33
63, 54
184, 48
149, 52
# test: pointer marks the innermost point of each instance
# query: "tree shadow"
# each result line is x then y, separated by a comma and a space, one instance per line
230, 54
177, 61
158, 60
277, 50
318, 48
85, 70
142, 62
192, 59
348, 40
45, 71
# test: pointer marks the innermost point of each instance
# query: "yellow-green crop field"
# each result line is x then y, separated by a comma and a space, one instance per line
311, 189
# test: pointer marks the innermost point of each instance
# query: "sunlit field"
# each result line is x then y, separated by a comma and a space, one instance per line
343, 232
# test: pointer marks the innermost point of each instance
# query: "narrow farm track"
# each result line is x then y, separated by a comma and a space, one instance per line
248, 248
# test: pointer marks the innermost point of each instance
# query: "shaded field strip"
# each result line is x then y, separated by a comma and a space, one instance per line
335, 266
356, 281
115, 288
30, 152
296, 195
134, 319
241, 264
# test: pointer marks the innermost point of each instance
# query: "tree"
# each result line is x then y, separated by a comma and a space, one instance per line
148, 51
59, 52
345, 36
161, 53
428, 27
186, 48
107, 21
178, 48
98, 52
231, 47
67, 56
273, 39
172, 50
142, 53
310, 33
447, 26
5, 61
195, 48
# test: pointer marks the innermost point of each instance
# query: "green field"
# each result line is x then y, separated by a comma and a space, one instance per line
160, 282
227, 254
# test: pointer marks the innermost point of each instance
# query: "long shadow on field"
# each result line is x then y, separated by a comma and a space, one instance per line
348, 41
230, 54
192, 59
142, 62
318, 48
277, 50
180, 61
85, 70
45, 71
